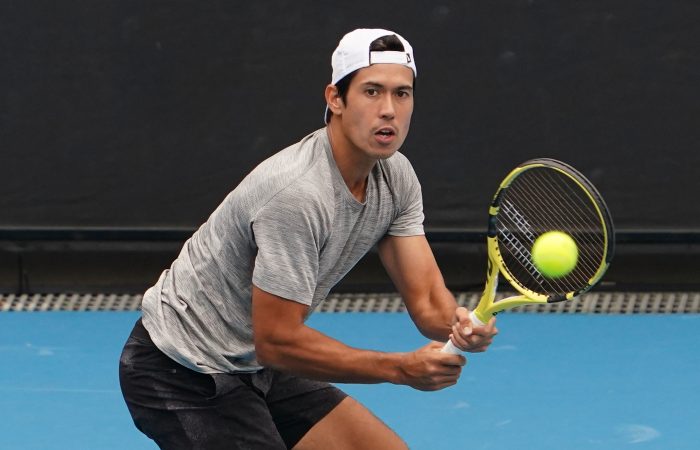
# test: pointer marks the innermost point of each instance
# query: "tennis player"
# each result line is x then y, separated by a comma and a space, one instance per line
222, 358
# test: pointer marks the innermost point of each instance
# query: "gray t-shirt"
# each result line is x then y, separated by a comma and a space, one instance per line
293, 229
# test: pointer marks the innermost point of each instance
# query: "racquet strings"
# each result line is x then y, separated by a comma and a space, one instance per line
544, 199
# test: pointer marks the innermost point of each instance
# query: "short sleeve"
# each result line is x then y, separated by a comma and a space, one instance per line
409, 218
288, 247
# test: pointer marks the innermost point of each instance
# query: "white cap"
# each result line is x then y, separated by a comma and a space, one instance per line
353, 53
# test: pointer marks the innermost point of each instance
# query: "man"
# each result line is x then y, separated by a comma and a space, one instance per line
223, 358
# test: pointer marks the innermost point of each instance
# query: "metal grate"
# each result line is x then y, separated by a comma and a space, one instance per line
590, 303
70, 302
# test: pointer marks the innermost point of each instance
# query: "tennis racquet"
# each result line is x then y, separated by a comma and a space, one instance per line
538, 196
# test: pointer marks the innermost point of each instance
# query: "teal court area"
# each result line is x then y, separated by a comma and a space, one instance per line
550, 381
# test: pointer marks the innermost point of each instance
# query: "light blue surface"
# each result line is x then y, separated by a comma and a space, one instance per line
548, 382
552, 382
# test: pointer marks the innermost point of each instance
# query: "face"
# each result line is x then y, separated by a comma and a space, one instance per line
377, 113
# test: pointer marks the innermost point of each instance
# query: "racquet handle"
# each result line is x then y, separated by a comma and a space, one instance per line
450, 347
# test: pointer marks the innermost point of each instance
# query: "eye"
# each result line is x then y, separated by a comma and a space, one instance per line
403, 94
372, 92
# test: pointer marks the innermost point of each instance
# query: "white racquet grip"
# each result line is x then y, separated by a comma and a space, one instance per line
450, 347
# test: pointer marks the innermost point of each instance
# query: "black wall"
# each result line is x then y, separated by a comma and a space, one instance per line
142, 115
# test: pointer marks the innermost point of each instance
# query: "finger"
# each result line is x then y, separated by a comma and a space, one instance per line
463, 329
447, 371
478, 344
484, 346
492, 321
462, 313
481, 341
446, 382
438, 386
457, 339
435, 345
462, 324
481, 346
488, 330
491, 326
456, 361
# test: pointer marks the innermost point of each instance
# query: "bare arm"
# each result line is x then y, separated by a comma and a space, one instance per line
415, 273
283, 341
412, 267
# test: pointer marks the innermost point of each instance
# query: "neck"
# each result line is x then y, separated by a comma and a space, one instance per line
353, 168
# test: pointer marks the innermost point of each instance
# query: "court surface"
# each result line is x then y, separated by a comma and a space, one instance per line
550, 381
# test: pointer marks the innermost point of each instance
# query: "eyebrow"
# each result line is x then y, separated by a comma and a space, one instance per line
380, 85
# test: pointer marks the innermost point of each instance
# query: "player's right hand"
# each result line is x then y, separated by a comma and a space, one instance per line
427, 369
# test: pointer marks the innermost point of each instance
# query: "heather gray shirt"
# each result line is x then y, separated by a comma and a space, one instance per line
293, 229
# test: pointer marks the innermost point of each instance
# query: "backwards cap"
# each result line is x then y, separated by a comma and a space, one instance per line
353, 53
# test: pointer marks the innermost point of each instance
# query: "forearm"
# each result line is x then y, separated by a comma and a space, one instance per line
411, 265
435, 314
312, 354
283, 341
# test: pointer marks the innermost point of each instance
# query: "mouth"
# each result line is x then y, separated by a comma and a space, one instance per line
385, 135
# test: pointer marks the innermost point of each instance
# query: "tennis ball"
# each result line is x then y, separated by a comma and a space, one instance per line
555, 254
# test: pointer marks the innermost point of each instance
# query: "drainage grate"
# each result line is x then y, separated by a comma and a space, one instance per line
590, 303
70, 302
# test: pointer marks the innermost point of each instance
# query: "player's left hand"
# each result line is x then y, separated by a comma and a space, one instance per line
470, 337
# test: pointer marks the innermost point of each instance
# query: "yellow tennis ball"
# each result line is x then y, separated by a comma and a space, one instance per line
555, 254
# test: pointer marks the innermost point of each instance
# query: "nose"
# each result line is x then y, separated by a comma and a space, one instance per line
387, 108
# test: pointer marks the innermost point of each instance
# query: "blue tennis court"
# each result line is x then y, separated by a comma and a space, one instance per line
550, 381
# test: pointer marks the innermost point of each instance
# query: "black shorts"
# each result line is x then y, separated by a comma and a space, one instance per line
183, 409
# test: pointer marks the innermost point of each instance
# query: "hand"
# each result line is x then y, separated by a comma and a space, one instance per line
469, 337
427, 369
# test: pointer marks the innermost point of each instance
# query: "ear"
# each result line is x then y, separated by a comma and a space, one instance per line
333, 99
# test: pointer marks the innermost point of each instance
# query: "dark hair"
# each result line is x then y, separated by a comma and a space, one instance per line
389, 42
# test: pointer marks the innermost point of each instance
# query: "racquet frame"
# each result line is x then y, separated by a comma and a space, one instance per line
488, 306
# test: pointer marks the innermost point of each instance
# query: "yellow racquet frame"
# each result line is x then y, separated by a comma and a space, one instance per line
487, 306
